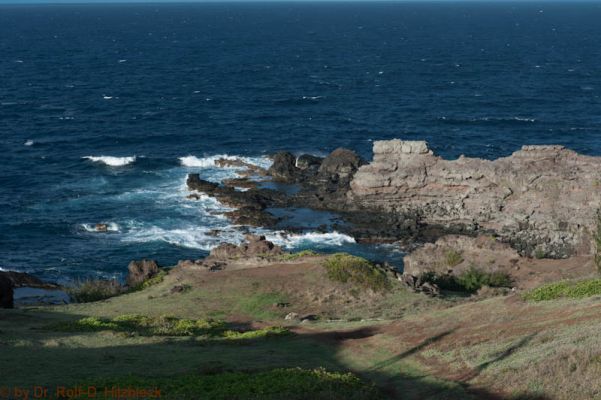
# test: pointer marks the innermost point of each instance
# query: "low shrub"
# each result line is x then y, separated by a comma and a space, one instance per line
474, 278
345, 268
282, 383
453, 258
565, 289
94, 290
469, 281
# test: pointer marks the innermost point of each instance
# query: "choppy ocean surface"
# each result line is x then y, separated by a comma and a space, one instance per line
105, 109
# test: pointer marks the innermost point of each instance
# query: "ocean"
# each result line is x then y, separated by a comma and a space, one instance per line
104, 109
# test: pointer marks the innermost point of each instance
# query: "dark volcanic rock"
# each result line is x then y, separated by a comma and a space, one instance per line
284, 167
250, 205
308, 162
255, 246
22, 279
195, 183
139, 271
340, 165
6, 292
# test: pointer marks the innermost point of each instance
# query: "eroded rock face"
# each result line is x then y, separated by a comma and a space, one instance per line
541, 199
139, 271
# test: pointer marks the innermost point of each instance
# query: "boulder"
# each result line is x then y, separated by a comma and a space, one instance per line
140, 271
284, 167
6, 292
341, 164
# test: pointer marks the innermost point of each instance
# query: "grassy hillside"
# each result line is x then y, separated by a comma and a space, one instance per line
230, 326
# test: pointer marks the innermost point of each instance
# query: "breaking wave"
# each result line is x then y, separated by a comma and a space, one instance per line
112, 161
209, 161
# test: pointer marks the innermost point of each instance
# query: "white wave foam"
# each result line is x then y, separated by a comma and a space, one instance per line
112, 161
209, 161
110, 227
309, 238
189, 237
29, 142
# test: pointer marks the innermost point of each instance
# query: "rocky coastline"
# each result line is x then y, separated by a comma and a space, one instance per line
541, 200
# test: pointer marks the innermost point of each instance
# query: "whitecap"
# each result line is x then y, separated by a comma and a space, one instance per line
122, 61
107, 97
291, 240
112, 161
29, 142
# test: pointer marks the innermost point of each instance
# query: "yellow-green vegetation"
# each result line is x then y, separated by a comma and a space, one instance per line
281, 383
453, 258
566, 289
342, 267
164, 326
298, 255
93, 290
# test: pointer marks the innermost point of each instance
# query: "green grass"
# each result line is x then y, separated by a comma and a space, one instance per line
281, 383
358, 271
260, 305
164, 326
566, 289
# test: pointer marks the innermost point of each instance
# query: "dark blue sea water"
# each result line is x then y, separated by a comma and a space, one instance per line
161, 82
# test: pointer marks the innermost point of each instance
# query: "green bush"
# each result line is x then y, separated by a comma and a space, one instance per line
474, 278
453, 258
345, 268
565, 289
93, 290
277, 384
469, 281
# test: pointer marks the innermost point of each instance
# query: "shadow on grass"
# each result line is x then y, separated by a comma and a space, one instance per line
50, 358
